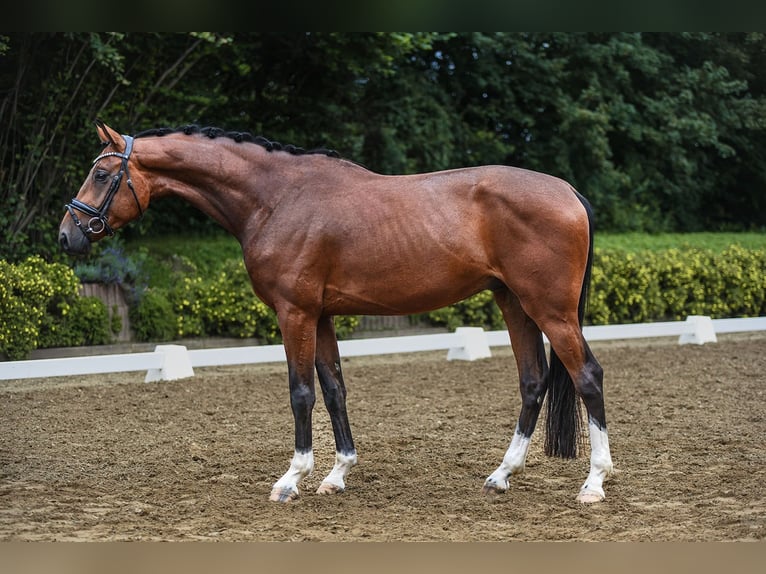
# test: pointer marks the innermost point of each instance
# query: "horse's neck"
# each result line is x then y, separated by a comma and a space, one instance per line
220, 178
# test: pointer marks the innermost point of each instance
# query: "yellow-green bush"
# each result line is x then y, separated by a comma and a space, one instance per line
479, 311
221, 305
646, 285
672, 284
40, 307
224, 305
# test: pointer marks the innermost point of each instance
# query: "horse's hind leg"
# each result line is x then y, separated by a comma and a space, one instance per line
528, 349
587, 375
334, 392
590, 386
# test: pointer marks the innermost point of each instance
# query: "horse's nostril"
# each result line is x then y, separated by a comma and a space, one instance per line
64, 241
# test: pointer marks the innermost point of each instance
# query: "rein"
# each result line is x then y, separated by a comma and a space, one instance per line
99, 219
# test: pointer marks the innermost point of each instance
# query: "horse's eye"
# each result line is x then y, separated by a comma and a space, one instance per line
101, 176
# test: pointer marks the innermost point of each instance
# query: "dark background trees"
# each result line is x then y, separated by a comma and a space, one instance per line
662, 131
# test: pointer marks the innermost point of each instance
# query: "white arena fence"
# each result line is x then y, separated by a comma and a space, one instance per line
169, 362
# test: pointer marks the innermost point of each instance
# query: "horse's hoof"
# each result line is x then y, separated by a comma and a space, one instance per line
589, 497
329, 488
492, 490
283, 495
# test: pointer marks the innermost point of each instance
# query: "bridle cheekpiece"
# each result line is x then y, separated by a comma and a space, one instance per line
99, 219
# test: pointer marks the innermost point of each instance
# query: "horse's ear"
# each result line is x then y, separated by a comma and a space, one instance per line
107, 134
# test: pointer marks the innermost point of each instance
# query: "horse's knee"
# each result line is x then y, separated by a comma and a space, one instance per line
591, 383
302, 398
532, 391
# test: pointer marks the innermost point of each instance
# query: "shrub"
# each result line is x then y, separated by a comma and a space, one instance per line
624, 288
345, 325
152, 318
477, 311
40, 307
87, 321
672, 284
222, 305
648, 285
112, 266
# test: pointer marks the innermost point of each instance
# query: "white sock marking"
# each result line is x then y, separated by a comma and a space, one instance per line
343, 464
513, 462
301, 466
600, 460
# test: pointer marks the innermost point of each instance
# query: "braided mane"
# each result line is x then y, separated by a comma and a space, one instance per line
213, 132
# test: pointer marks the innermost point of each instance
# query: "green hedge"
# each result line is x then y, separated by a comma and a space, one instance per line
627, 287
648, 285
219, 305
40, 307
672, 284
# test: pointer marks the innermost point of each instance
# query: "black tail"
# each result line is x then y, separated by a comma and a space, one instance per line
562, 428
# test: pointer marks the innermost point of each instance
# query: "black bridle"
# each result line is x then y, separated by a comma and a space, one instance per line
99, 220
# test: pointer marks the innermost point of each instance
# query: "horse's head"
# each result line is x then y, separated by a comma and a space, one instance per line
107, 199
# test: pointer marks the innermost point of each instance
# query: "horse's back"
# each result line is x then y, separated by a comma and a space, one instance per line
418, 242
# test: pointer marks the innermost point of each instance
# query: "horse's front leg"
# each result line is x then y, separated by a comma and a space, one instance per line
299, 336
334, 392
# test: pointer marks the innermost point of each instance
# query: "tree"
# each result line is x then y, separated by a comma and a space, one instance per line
54, 85
661, 131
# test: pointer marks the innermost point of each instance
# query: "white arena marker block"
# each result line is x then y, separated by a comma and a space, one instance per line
700, 331
474, 345
176, 365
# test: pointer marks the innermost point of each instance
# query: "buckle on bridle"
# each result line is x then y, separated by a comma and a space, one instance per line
96, 224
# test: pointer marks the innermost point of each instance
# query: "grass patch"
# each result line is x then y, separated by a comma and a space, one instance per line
632, 242
162, 256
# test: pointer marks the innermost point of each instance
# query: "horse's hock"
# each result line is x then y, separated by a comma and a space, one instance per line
114, 299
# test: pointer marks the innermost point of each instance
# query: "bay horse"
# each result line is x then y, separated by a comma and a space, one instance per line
323, 236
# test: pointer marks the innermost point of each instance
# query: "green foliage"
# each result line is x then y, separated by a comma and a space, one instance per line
152, 318
111, 265
650, 285
222, 305
345, 325
623, 289
662, 131
163, 259
40, 307
216, 304
672, 284
82, 321
477, 311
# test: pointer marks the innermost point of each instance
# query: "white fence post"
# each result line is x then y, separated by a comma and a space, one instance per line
176, 364
474, 345
700, 331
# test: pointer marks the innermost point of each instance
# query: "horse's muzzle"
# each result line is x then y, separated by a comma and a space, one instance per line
74, 243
